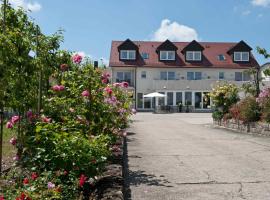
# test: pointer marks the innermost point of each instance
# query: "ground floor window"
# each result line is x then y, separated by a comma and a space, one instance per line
195, 99
170, 98
147, 103
188, 98
179, 99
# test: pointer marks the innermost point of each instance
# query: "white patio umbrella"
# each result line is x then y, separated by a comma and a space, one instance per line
154, 94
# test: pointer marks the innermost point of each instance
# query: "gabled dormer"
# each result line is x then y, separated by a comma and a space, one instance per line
166, 51
128, 51
240, 52
193, 52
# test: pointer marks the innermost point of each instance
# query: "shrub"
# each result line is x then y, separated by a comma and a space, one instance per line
223, 97
266, 110
249, 110
217, 115
235, 111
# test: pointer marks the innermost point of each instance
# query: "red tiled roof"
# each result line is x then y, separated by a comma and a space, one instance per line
210, 56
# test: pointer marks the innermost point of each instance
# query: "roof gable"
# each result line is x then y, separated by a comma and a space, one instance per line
167, 45
240, 46
193, 46
128, 45
210, 56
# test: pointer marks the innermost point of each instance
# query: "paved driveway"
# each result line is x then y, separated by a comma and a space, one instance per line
181, 156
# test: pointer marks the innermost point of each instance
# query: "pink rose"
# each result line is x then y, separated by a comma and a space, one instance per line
9, 125
134, 111
46, 119
77, 58
51, 185
85, 93
125, 84
15, 119
58, 88
117, 84
108, 90
13, 141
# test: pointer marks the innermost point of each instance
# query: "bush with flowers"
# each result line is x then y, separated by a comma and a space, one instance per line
66, 146
264, 101
223, 97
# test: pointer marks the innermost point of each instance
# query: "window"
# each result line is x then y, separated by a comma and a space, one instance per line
167, 76
194, 75
127, 54
221, 57
241, 56
178, 98
194, 55
145, 56
190, 75
167, 55
221, 75
171, 75
123, 76
188, 98
163, 75
238, 76
169, 98
198, 75
143, 74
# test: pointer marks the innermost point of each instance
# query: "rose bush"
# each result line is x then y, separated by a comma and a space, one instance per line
68, 144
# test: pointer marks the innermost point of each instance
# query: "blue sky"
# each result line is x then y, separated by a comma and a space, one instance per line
91, 25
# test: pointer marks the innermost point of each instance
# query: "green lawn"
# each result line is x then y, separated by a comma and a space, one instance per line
8, 149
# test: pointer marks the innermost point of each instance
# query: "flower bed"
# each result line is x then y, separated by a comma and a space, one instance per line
64, 150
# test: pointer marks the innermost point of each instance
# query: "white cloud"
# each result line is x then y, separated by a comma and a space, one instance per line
263, 3
27, 5
174, 32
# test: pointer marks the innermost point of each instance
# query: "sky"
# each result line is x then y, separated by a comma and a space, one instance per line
91, 25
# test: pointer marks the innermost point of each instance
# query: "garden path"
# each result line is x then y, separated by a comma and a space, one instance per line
181, 156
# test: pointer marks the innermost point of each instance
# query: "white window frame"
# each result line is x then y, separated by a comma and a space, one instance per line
193, 55
241, 56
167, 75
129, 53
167, 55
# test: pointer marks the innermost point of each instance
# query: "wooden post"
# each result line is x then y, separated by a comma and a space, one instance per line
1, 103
40, 74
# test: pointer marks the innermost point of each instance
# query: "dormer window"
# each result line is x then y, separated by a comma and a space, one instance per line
193, 55
241, 56
127, 54
167, 55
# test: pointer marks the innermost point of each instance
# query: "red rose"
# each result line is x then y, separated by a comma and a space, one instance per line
82, 181
64, 67
34, 176
25, 181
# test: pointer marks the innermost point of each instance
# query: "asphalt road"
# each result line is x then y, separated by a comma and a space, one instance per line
181, 156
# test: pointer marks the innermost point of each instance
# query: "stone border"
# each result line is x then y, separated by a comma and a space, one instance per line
254, 128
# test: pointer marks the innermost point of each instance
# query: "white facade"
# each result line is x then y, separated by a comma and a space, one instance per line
177, 87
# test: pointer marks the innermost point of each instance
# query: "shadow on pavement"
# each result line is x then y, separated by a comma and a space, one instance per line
138, 177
